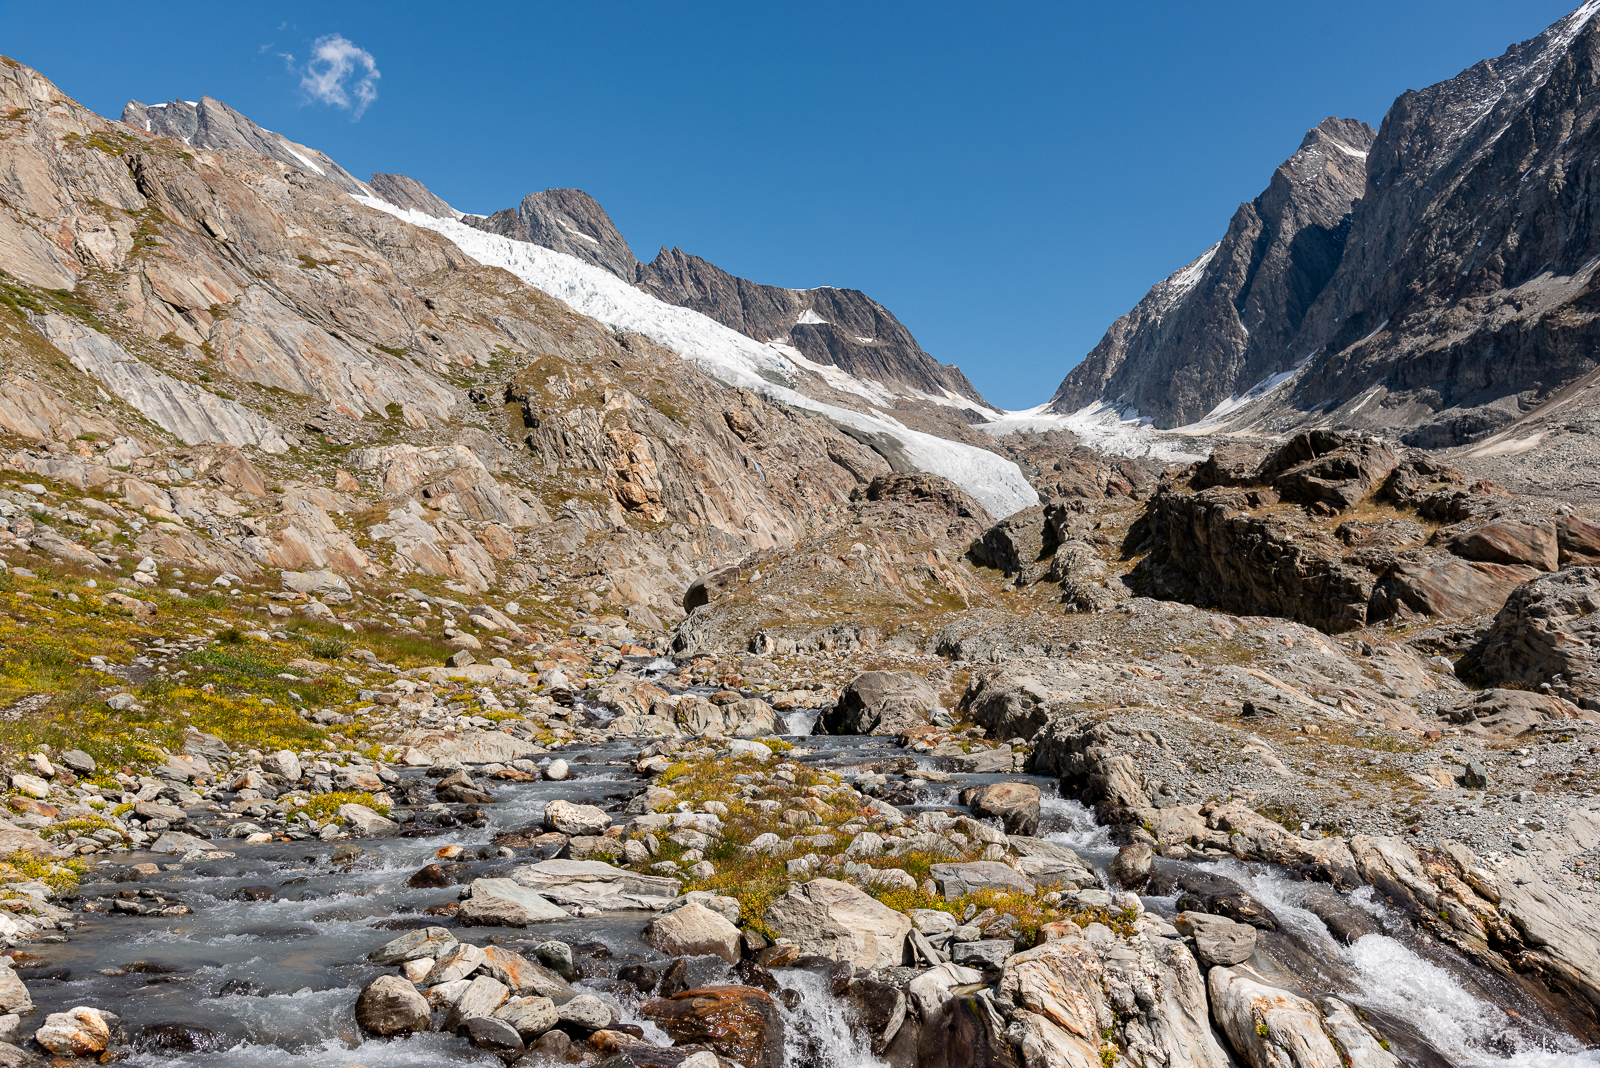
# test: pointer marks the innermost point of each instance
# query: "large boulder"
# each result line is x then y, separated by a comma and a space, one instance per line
1007, 701
693, 930
1509, 541
1016, 804
740, 1023
1267, 1025
957, 880
1019, 545
707, 588
882, 702
1548, 635
390, 1005
568, 818
827, 918
1445, 586
78, 1032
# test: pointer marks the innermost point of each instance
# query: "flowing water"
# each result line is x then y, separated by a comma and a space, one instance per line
272, 984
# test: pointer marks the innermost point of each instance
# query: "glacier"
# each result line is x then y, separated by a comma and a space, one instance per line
726, 355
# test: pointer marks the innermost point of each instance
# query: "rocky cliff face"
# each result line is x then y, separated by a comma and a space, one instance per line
567, 220
1224, 322
211, 124
841, 328
1454, 299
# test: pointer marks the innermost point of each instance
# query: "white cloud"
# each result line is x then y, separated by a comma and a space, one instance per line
340, 74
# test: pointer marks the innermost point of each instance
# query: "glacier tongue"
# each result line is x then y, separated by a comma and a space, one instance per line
725, 354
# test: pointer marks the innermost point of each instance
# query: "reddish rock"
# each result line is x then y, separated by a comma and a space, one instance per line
740, 1023
1510, 542
1446, 587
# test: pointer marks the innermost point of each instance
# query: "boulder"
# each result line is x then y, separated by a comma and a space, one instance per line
1007, 701
1546, 635
958, 880
881, 702
365, 821
491, 912
495, 1035
740, 1023
1579, 542
996, 761
692, 931
984, 953
455, 962
535, 907
1048, 865
1325, 467
481, 997
932, 988
1016, 804
531, 1017
1509, 541
14, 996
596, 884
78, 1032
176, 842
1018, 545
1132, 865
195, 743
389, 1005
828, 918
1445, 586
1217, 939
426, 942
707, 588
1267, 1025
522, 976
284, 763
586, 1012
326, 585
572, 819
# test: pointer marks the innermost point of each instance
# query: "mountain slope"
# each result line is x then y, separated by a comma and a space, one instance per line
829, 327
1222, 323
594, 279
1460, 300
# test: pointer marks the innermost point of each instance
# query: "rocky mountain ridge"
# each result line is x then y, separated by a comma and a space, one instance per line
1449, 303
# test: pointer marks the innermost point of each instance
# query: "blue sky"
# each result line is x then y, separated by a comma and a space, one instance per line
1007, 179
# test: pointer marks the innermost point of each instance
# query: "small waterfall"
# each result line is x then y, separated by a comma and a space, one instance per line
800, 724
1081, 833
658, 668
1387, 976
817, 1033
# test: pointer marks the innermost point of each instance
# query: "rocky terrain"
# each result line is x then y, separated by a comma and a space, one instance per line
405, 666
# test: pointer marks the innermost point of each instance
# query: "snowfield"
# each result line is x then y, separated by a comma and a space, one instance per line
725, 354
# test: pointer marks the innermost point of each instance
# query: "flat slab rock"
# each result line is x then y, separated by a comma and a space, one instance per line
596, 884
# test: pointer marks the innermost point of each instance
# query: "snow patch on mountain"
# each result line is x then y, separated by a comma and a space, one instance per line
725, 354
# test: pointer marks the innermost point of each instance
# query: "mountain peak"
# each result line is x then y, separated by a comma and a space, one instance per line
210, 124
